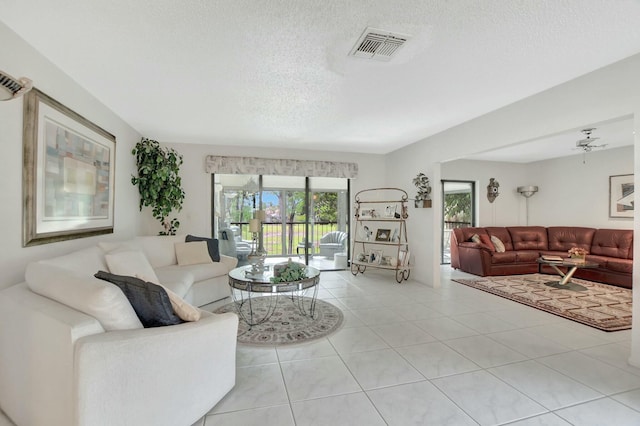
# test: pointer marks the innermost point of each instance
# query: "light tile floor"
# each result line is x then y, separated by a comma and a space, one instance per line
409, 354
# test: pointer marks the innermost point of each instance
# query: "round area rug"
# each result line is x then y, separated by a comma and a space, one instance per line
287, 325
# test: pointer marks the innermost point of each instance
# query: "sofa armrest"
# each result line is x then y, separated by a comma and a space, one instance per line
190, 366
474, 258
37, 337
231, 262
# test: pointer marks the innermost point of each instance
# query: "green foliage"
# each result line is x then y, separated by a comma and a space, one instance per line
325, 206
158, 182
295, 204
293, 271
457, 207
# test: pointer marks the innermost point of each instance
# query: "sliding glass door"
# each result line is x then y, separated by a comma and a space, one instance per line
305, 219
458, 211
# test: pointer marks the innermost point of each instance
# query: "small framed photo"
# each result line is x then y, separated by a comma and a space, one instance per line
390, 210
403, 258
375, 256
383, 235
366, 233
395, 236
367, 213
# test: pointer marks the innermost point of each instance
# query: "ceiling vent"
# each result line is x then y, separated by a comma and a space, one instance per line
378, 44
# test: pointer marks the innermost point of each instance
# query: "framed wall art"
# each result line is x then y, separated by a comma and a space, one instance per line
68, 173
621, 196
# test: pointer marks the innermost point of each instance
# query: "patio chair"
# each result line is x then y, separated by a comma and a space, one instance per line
231, 243
332, 243
304, 244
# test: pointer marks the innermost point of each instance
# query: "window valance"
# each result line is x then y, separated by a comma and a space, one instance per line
279, 167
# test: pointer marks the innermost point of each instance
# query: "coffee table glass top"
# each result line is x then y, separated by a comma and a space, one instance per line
241, 280
572, 266
569, 263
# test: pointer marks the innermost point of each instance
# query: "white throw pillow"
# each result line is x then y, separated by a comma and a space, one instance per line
497, 243
192, 253
99, 299
130, 263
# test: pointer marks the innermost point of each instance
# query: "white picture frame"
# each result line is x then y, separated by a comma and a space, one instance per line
375, 257
403, 258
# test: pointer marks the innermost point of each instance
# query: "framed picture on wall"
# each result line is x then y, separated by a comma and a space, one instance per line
68, 173
621, 196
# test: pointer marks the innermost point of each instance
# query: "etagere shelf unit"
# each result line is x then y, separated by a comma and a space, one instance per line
381, 232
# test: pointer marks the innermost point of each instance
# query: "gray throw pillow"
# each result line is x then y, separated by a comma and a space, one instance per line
150, 301
212, 246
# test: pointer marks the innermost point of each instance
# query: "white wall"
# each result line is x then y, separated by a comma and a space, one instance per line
577, 192
195, 217
505, 209
19, 59
604, 94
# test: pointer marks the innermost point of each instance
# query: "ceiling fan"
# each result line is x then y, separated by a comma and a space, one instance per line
587, 144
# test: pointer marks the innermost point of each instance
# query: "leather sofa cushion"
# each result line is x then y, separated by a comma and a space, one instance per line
506, 257
612, 243
620, 265
562, 238
465, 234
528, 237
502, 233
527, 256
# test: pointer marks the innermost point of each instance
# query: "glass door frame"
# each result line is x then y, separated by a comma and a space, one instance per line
474, 213
308, 209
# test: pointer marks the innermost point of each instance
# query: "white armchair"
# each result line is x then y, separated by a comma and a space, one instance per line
60, 367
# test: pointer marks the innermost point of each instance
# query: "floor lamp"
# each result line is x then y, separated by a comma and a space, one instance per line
527, 192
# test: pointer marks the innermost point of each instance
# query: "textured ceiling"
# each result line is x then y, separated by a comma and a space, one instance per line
606, 135
277, 73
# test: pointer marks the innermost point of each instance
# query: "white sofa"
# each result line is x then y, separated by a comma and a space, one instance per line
73, 351
197, 284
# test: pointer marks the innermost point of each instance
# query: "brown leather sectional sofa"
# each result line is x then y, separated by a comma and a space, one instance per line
612, 249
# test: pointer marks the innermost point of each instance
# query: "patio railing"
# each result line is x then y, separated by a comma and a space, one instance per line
294, 243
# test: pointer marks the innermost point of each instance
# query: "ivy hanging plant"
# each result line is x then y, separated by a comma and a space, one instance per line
158, 182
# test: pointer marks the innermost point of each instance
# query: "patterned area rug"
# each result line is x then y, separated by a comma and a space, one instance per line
287, 325
602, 306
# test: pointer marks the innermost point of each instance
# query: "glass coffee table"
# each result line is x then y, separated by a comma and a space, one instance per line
246, 286
572, 266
